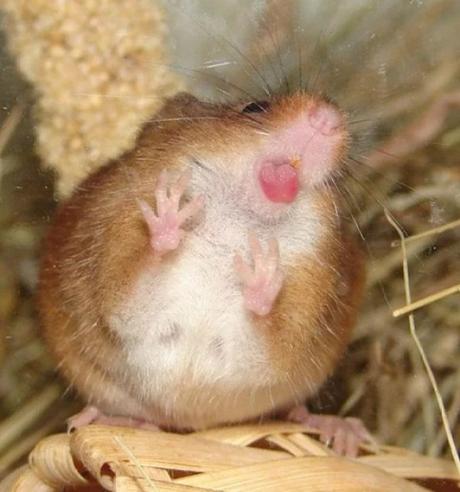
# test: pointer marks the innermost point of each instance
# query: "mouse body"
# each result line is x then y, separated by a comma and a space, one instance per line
206, 277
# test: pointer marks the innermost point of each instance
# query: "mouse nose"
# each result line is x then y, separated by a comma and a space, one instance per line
325, 119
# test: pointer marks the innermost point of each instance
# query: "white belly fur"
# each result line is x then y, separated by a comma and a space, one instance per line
193, 355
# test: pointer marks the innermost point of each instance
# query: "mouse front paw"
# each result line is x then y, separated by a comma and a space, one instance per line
262, 282
165, 225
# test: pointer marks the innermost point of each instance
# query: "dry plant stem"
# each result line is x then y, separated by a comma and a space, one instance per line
158, 474
133, 458
419, 346
9, 125
453, 413
26, 444
351, 401
13, 427
430, 232
426, 300
451, 138
441, 191
437, 83
380, 270
417, 133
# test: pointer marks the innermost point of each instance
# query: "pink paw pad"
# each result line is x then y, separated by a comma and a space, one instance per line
165, 225
344, 435
262, 282
325, 119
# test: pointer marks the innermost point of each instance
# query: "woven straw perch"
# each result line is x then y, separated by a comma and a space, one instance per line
275, 456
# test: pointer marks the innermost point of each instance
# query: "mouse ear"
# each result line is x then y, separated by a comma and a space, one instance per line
182, 103
183, 98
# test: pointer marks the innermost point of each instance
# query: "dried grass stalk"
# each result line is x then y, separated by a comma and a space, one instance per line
437, 296
419, 346
22, 446
13, 427
9, 125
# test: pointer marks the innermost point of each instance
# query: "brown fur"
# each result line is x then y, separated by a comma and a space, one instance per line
317, 308
99, 243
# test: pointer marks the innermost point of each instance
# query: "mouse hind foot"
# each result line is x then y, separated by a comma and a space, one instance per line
344, 435
92, 415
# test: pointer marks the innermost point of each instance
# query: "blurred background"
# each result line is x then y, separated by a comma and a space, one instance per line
395, 67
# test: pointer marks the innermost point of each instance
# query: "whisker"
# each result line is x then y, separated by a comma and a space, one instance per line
225, 41
332, 196
116, 96
381, 202
183, 118
349, 207
361, 163
209, 64
357, 122
311, 83
299, 59
367, 189
360, 232
276, 48
366, 244
388, 154
200, 73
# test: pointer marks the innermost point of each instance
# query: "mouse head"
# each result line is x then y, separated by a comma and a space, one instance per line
276, 149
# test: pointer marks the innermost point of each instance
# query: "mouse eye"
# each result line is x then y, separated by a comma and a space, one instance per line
256, 107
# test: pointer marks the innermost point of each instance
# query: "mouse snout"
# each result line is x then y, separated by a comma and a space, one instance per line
307, 145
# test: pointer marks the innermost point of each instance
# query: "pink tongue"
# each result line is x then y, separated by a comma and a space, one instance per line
279, 183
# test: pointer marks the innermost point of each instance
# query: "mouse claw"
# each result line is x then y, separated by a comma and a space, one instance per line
87, 416
165, 224
262, 282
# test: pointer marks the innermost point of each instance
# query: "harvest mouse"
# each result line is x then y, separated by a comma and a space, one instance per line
205, 277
